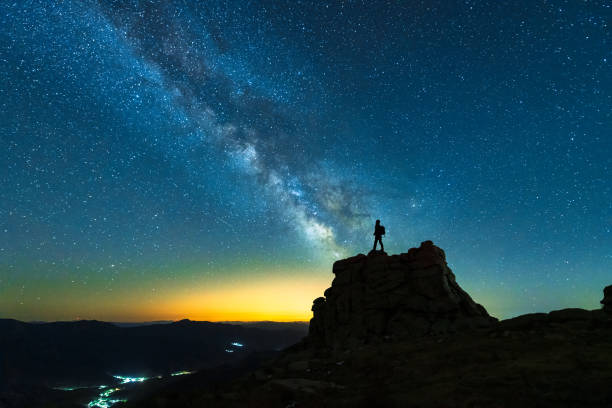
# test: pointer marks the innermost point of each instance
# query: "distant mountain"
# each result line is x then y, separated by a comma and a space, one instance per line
87, 352
136, 324
269, 325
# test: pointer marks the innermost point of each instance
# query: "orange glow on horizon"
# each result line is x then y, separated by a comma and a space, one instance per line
238, 296
285, 300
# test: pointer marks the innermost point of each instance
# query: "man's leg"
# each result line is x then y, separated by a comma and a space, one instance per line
382, 248
374, 248
377, 240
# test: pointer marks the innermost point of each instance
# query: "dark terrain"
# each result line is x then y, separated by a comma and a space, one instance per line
391, 331
398, 331
37, 357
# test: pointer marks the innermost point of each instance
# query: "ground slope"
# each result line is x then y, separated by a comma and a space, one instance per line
398, 331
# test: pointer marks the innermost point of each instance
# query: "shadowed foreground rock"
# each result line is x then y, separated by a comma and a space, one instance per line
398, 331
380, 297
607, 300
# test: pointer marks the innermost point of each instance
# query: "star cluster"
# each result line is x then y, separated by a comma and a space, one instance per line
211, 159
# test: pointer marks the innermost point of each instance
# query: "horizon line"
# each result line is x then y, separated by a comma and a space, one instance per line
154, 321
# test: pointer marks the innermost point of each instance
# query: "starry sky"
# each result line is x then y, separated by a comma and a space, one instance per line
210, 160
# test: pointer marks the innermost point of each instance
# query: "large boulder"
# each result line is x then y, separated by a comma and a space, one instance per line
607, 300
378, 297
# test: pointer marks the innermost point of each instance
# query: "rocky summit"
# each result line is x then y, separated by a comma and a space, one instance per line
380, 297
398, 331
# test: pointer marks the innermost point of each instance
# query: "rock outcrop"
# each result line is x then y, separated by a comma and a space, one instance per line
378, 297
607, 300
368, 347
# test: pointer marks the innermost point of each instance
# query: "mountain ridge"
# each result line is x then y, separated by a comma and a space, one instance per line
446, 351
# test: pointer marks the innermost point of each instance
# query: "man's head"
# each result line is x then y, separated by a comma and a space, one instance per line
377, 222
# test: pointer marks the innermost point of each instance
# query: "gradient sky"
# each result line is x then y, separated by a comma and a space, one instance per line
210, 160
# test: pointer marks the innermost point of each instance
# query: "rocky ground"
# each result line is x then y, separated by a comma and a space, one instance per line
398, 331
561, 359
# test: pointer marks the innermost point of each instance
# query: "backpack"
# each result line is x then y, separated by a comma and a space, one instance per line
382, 230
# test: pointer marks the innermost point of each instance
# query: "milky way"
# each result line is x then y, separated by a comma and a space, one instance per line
155, 151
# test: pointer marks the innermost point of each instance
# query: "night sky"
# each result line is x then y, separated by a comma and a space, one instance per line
210, 160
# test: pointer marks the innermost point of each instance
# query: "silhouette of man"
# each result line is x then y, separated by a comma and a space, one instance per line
379, 231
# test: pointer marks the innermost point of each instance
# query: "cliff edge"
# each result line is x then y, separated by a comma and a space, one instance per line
398, 331
381, 297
